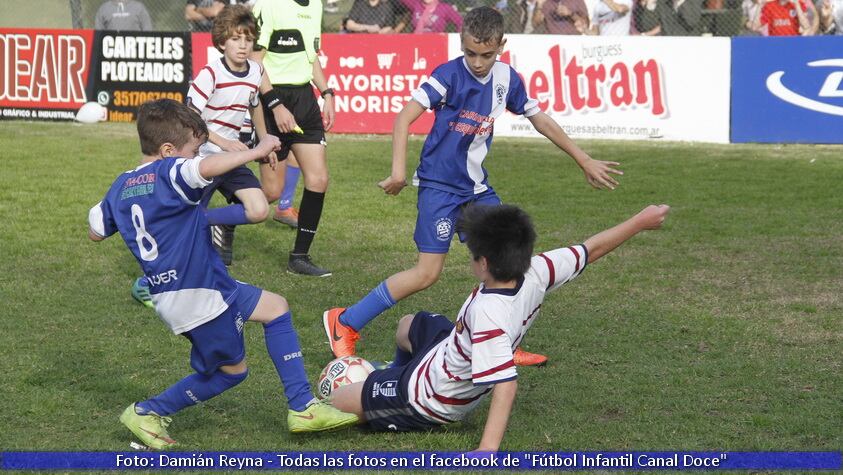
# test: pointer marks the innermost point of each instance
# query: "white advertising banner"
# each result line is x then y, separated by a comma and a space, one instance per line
622, 87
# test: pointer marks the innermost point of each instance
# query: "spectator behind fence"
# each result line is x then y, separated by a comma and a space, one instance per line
563, 17
787, 18
371, 16
611, 18
646, 18
680, 17
751, 10
831, 17
520, 17
432, 16
200, 13
123, 15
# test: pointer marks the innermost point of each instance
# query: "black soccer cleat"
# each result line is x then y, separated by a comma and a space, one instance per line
222, 237
301, 264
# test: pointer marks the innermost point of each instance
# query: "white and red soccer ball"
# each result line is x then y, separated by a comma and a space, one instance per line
342, 371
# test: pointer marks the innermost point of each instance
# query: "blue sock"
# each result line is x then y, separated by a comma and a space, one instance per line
401, 357
282, 343
189, 391
291, 180
231, 215
378, 301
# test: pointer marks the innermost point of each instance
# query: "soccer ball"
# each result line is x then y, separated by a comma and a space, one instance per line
91, 113
342, 371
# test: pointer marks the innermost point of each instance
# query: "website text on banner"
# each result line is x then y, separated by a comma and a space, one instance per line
622, 87
43, 74
787, 90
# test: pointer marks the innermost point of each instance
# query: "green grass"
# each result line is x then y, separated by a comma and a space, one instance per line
721, 331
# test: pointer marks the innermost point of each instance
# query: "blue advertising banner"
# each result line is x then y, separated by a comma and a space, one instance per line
395, 461
787, 89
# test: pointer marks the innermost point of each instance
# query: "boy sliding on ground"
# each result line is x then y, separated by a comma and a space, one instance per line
467, 94
155, 208
442, 370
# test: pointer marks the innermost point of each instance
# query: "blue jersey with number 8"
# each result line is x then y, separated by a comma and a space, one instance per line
155, 207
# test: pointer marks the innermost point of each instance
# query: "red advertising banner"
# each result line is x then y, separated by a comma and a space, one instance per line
43, 73
202, 50
375, 74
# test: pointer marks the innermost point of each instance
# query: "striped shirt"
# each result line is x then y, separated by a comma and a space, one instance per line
454, 375
223, 97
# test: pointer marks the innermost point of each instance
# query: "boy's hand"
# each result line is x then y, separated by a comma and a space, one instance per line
652, 216
284, 119
233, 146
328, 112
392, 185
267, 145
273, 160
597, 173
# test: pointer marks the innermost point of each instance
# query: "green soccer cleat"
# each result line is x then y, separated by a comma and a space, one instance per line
140, 291
317, 417
151, 428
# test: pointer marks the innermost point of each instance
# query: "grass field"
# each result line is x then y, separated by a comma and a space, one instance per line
721, 331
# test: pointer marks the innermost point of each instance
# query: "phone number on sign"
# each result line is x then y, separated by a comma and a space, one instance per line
136, 98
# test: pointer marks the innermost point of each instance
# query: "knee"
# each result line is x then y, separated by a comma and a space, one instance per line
271, 193
256, 212
425, 277
279, 305
317, 183
236, 373
402, 334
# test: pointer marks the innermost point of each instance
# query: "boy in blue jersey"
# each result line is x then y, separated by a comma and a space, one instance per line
156, 209
467, 94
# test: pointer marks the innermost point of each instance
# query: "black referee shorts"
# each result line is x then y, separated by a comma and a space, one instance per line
301, 102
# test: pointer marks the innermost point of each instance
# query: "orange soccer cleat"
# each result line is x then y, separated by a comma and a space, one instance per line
525, 358
342, 338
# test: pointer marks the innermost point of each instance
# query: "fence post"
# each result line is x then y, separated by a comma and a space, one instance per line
76, 13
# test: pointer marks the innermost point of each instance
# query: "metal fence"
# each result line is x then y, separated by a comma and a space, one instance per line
612, 17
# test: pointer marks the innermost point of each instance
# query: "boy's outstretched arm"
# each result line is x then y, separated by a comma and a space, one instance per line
603, 243
597, 172
503, 397
395, 182
219, 163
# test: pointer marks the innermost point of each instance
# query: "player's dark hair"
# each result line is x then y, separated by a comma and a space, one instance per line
231, 20
484, 24
168, 121
504, 235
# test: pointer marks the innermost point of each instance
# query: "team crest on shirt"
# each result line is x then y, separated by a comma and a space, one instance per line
500, 92
238, 322
443, 228
460, 326
385, 389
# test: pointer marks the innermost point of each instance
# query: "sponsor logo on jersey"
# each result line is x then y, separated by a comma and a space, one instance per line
831, 88
385, 389
500, 93
163, 278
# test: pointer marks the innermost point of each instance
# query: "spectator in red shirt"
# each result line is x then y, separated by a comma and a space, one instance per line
787, 18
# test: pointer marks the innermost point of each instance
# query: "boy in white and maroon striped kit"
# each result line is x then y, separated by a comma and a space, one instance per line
442, 370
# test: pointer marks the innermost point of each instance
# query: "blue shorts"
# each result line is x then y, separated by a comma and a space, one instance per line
385, 396
219, 342
439, 212
227, 184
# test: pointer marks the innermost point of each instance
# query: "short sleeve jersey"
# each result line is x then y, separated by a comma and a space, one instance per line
223, 97
781, 20
290, 31
453, 376
610, 22
155, 209
465, 108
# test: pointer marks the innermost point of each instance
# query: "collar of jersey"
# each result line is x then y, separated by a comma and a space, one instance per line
482, 80
510, 292
239, 74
